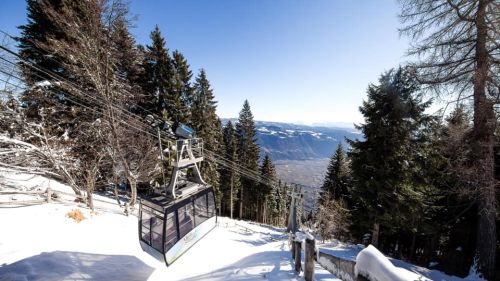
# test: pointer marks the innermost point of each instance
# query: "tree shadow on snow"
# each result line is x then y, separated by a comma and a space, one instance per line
270, 265
60, 265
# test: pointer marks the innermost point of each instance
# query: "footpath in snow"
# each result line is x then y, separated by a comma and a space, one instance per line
40, 243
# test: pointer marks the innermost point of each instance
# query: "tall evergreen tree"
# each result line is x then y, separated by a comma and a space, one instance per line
207, 126
248, 155
47, 102
182, 87
389, 188
36, 32
456, 43
128, 57
458, 213
230, 179
267, 207
159, 76
337, 179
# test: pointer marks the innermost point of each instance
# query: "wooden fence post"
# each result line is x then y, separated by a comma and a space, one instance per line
49, 195
292, 241
310, 249
298, 264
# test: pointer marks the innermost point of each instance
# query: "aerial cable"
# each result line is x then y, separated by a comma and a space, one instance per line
228, 164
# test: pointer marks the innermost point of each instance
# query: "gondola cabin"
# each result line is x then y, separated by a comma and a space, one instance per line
168, 229
173, 220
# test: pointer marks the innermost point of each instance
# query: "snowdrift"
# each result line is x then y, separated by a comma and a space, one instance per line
372, 264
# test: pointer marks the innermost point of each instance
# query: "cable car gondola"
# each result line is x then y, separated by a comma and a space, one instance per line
173, 220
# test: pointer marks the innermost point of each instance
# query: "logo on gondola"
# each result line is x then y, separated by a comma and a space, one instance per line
189, 236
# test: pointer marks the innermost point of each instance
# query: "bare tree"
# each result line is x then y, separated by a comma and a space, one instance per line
88, 49
332, 219
41, 153
135, 155
457, 44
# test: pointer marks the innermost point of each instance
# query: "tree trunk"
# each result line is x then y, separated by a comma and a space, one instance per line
241, 202
484, 127
264, 211
90, 201
231, 202
375, 234
412, 247
117, 197
133, 191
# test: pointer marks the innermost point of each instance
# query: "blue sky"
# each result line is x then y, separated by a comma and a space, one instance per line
295, 61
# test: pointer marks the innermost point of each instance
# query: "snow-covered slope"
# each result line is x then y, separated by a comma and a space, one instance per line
40, 243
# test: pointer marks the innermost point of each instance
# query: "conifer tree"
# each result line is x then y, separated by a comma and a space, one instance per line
249, 157
267, 191
182, 87
389, 188
230, 179
128, 62
337, 179
159, 76
206, 125
456, 44
46, 102
456, 208
281, 203
36, 32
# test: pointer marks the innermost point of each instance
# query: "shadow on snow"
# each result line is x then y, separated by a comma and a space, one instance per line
270, 265
60, 265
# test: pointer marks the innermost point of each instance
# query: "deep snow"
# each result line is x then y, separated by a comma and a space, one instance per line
350, 252
40, 243
371, 263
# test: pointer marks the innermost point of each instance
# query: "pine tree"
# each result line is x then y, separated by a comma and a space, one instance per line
128, 64
249, 157
337, 179
267, 191
457, 211
207, 126
36, 32
456, 43
230, 179
390, 188
47, 102
182, 87
281, 203
159, 76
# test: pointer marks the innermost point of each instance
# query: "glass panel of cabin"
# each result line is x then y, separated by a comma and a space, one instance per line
186, 219
156, 233
170, 231
211, 205
145, 224
200, 209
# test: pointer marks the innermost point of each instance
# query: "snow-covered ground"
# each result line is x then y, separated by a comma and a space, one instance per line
40, 242
350, 252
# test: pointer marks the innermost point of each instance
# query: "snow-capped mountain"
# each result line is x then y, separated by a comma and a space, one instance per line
296, 142
285, 141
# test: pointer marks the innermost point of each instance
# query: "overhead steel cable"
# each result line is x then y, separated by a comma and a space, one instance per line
58, 77
212, 156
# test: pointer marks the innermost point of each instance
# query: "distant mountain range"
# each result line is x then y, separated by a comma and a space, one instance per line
301, 153
285, 141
